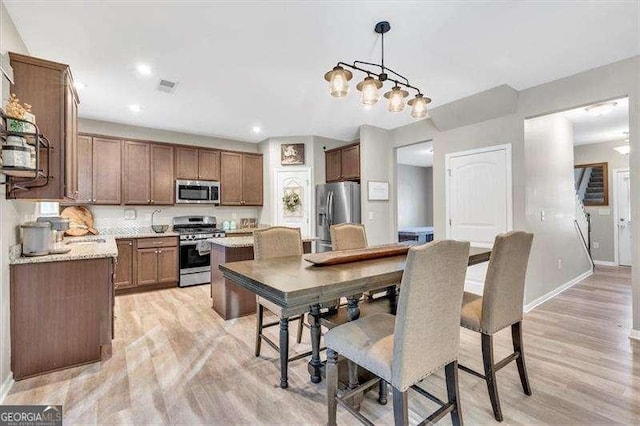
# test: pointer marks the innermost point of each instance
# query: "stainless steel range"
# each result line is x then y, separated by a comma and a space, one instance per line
195, 259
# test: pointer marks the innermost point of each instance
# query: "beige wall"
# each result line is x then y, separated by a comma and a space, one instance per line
602, 219
558, 255
415, 196
10, 217
608, 82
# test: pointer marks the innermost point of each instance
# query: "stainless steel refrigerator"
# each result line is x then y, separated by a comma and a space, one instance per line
335, 203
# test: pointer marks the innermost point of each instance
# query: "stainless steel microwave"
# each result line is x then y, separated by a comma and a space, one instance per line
197, 192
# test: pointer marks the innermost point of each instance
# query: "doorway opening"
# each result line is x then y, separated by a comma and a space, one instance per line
415, 192
601, 176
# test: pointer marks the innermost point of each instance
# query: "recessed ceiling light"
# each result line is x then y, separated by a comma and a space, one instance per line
143, 69
601, 108
256, 129
135, 108
79, 86
623, 149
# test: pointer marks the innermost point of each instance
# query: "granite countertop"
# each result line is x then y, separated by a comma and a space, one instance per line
142, 232
87, 247
246, 241
245, 230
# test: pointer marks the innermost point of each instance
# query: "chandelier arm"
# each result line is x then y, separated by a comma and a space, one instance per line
368, 63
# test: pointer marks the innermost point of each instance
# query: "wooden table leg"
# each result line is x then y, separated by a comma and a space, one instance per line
284, 352
353, 310
315, 365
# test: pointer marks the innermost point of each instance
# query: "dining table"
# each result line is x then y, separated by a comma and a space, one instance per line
299, 286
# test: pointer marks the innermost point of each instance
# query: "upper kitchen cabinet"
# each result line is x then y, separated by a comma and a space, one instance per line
136, 172
147, 176
84, 167
241, 179
107, 170
162, 179
343, 163
48, 87
197, 164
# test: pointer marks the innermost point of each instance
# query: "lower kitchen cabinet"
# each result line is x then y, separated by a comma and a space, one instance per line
124, 265
146, 264
61, 315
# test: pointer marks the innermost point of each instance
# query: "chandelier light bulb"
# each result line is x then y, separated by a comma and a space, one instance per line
369, 89
338, 79
419, 106
396, 99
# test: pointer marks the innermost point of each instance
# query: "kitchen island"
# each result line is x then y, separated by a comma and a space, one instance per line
229, 299
62, 306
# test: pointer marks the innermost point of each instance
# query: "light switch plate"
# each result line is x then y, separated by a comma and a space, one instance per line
129, 214
371, 216
595, 244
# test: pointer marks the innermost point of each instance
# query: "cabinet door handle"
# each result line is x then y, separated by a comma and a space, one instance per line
159, 251
130, 243
151, 201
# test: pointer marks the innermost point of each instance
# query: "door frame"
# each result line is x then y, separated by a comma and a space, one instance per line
616, 256
312, 195
447, 161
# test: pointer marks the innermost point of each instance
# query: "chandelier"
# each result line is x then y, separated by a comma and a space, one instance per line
339, 77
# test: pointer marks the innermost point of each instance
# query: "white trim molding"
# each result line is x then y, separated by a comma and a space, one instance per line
635, 334
616, 246
6, 387
553, 293
604, 263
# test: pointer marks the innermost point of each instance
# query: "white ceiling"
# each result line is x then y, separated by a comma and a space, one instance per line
245, 64
418, 154
589, 128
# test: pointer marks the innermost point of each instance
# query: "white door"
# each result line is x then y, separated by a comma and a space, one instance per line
478, 201
479, 195
293, 199
623, 216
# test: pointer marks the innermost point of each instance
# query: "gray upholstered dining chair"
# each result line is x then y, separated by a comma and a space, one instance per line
500, 306
351, 236
423, 337
277, 241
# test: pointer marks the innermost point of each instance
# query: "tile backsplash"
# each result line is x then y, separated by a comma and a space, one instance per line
114, 216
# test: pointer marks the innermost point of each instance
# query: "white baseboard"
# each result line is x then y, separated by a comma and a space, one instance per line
540, 300
6, 387
635, 334
604, 263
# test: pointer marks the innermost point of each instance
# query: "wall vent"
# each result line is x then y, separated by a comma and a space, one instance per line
167, 86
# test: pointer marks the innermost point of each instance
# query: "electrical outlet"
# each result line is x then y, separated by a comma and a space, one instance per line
559, 264
595, 244
147, 217
371, 217
234, 216
604, 212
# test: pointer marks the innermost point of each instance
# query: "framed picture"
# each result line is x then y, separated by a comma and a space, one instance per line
378, 191
292, 154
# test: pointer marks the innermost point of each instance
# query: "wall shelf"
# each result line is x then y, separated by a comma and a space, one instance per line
25, 178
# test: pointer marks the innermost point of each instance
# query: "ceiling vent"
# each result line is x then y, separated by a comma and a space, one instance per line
167, 86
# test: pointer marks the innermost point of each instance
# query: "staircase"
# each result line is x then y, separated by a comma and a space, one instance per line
595, 188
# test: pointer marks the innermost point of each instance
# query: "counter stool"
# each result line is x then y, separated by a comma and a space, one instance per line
499, 307
277, 241
423, 337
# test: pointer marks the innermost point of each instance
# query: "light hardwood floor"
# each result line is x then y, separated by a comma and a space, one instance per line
175, 361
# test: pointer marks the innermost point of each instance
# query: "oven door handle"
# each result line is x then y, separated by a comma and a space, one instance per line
188, 243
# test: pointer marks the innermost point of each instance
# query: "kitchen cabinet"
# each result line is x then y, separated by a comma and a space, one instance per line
61, 315
197, 164
343, 164
84, 158
107, 169
48, 87
146, 264
124, 264
241, 179
162, 181
136, 172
